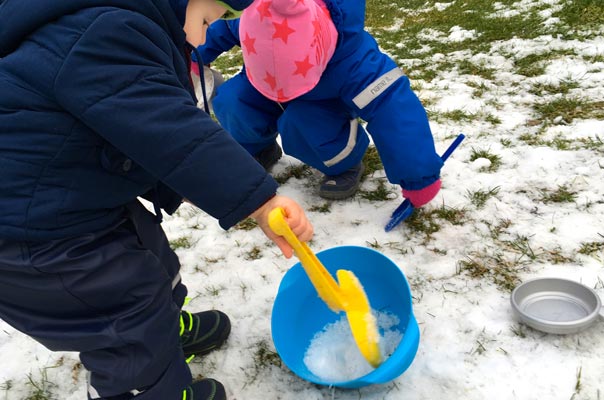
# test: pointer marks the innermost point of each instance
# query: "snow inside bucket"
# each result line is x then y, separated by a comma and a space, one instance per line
334, 356
303, 326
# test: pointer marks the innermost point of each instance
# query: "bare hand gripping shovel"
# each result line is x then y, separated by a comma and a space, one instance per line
348, 296
403, 211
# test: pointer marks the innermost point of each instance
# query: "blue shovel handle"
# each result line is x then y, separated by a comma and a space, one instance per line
403, 211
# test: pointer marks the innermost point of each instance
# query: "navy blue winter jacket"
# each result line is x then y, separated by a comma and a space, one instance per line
96, 109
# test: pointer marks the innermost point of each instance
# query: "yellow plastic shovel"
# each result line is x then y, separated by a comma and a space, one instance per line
348, 296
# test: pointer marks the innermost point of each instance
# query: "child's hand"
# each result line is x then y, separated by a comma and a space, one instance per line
294, 216
421, 197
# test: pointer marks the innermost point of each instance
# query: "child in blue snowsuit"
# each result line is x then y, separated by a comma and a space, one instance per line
318, 123
97, 109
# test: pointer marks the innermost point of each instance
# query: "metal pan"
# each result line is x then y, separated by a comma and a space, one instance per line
556, 305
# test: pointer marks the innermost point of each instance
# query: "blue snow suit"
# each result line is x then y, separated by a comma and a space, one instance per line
321, 127
96, 110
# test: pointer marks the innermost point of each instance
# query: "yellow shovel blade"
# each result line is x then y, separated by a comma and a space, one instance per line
360, 318
348, 296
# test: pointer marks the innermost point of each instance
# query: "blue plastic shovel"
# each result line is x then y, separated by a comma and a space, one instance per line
403, 211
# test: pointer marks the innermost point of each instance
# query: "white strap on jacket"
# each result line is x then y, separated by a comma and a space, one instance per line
377, 87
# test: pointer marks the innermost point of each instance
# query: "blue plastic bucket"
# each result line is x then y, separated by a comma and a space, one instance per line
298, 313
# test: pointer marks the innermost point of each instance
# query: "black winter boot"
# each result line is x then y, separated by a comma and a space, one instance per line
339, 187
203, 332
205, 389
269, 156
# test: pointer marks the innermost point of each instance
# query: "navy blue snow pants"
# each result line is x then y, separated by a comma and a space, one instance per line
113, 296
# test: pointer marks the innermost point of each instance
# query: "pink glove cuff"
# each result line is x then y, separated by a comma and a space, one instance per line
195, 68
420, 197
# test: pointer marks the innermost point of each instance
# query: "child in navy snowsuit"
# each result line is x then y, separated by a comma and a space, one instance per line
310, 72
96, 110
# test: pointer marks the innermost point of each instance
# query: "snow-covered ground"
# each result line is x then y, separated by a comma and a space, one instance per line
543, 215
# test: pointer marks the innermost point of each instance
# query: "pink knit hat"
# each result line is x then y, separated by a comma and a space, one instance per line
286, 45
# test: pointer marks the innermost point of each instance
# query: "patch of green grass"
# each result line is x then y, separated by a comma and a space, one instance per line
461, 116
455, 216
382, 192
555, 256
531, 139
255, 253
586, 15
413, 18
229, 63
497, 229
521, 245
495, 160
562, 143
534, 64
372, 161
496, 267
323, 208
213, 291
421, 221
374, 244
425, 72
480, 88
505, 142
561, 195
492, 119
590, 248
593, 59
264, 358
183, 242
591, 143
455, 115
479, 197
466, 67
293, 171
40, 389
569, 109
563, 87
428, 221
504, 258
247, 224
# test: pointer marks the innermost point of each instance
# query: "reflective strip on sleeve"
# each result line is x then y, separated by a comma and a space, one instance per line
352, 142
176, 280
92, 393
377, 87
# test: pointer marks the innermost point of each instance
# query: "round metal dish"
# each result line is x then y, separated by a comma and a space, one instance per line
555, 305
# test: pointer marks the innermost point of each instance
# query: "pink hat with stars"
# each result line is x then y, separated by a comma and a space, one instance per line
286, 45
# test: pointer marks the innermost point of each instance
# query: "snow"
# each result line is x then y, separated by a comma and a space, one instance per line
471, 345
333, 356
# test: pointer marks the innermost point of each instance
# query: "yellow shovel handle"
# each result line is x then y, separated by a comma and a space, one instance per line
349, 296
326, 286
